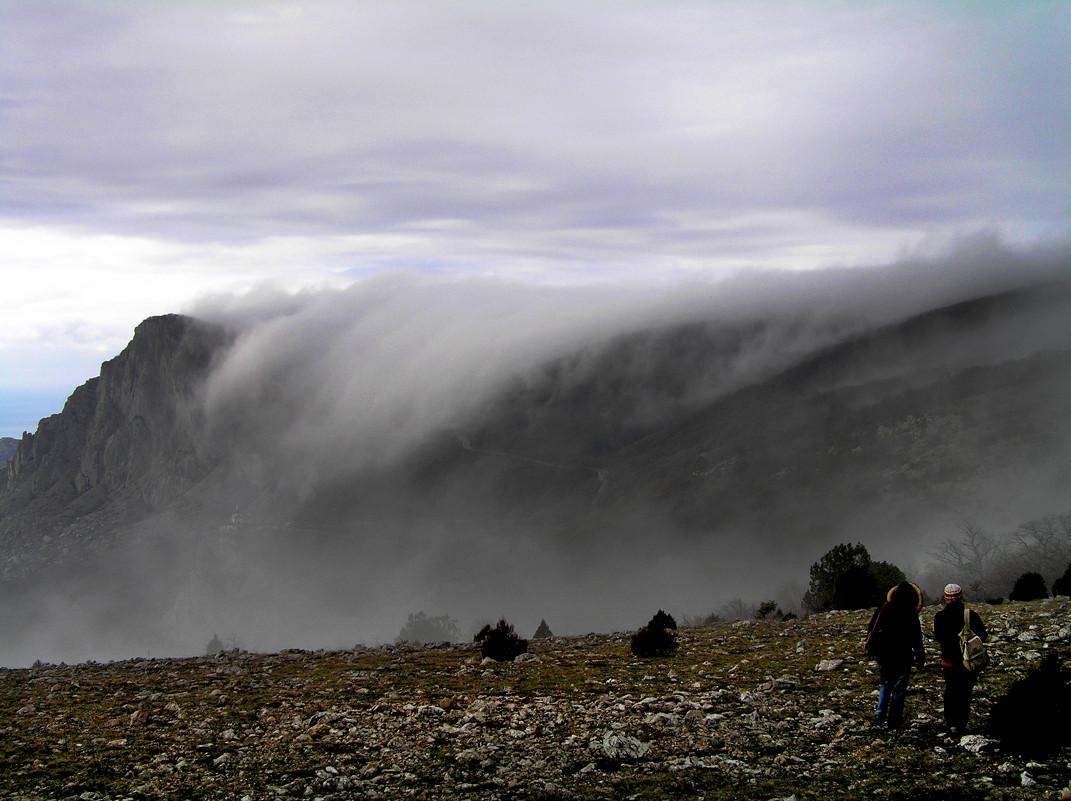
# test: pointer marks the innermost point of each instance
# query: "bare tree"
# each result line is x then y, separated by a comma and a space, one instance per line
736, 609
975, 559
1045, 543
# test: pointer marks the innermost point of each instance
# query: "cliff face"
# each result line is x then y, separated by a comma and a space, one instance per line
126, 443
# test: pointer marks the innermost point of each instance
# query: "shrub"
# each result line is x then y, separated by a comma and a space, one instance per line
827, 570
648, 642
703, 620
769, 610
501, 643
217, 646
420, 629
1062, 585
736, 609
663, 620
856, 588
887, 576
1029, 587
1032, 718
657, 638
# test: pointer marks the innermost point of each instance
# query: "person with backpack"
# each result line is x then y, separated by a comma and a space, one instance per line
948, 625
894, 636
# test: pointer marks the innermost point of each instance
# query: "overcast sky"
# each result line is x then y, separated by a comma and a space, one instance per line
152, 154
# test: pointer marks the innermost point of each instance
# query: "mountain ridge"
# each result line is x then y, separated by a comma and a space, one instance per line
648, 460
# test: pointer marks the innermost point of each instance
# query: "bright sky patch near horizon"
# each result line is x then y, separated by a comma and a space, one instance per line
153, 155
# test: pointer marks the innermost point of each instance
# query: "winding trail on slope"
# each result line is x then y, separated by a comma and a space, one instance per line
600, 473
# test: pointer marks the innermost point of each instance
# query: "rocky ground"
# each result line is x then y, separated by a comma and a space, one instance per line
753, 710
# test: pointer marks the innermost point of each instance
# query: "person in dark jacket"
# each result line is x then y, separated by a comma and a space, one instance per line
959, 681
894, 637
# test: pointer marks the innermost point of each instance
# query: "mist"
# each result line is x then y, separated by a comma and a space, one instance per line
403, 445
362, 376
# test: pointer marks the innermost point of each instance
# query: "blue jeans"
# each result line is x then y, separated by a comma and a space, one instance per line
892, 694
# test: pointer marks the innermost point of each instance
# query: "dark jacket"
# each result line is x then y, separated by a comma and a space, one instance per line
947, 624
895, 634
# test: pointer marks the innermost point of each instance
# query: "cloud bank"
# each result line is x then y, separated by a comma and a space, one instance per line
370, 372
152, 153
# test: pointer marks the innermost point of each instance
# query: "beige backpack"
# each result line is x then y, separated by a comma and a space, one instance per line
975, 654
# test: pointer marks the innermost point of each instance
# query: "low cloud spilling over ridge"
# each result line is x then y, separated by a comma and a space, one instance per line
357, 510
369, 372
181, 148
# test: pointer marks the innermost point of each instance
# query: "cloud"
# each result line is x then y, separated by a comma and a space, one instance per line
154, 153
342, 379
565, 122
373, 369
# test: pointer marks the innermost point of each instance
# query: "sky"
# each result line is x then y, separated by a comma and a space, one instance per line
168, 156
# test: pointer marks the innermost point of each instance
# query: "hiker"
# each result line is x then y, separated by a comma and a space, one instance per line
959, 681
894, 636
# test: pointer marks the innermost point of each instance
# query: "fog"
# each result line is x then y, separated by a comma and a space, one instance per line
339, 379
367, 455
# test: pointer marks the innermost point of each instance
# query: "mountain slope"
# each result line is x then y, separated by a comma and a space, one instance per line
676, 466
127, 443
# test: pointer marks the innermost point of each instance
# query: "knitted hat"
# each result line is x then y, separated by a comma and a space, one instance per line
953, 592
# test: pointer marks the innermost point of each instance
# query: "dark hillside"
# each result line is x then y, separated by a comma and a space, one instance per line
937, 446
903, 428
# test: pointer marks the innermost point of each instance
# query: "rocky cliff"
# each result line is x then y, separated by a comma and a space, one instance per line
126, 444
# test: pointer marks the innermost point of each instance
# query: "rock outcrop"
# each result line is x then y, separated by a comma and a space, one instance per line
126, 444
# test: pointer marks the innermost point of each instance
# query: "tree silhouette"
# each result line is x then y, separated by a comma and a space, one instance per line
1029, 587
846, 578
420, 629
501, 643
